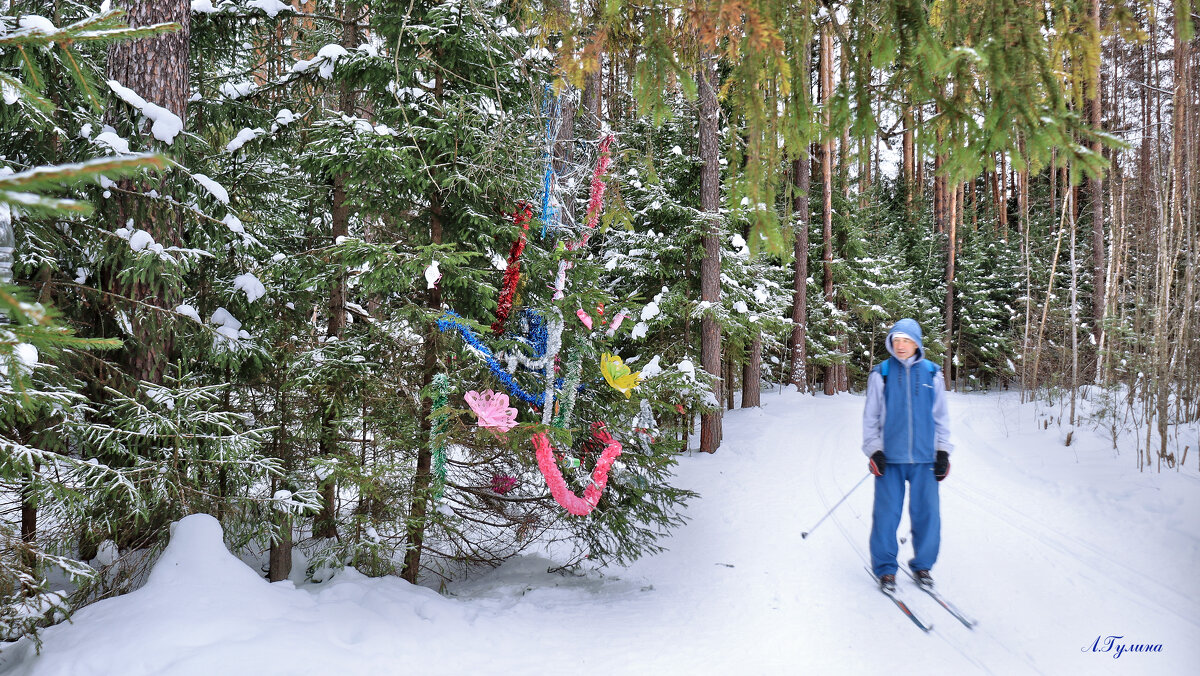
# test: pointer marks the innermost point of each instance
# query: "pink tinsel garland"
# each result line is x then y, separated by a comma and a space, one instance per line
512, 273
554, 478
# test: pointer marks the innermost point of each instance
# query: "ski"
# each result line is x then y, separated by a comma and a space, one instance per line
950, 607
901, 604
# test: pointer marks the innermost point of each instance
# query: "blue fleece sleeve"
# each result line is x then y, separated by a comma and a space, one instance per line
873, 415
941, 415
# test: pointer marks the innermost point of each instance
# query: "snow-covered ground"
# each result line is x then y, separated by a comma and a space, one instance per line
1051, 548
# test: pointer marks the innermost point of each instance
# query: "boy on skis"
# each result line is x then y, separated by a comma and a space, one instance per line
906, 435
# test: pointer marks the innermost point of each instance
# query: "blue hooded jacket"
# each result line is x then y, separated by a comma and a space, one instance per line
908, 419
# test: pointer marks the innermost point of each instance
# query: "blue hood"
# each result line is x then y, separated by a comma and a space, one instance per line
912, 329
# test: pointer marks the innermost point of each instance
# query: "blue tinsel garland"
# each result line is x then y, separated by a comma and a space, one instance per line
537, 332
451, 320
552, 110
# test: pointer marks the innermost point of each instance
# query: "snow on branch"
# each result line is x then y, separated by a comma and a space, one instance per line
166, 125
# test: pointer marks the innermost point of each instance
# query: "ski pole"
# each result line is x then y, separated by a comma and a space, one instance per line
839, 502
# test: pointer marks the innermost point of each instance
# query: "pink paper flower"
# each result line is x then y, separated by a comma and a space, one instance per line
492, 409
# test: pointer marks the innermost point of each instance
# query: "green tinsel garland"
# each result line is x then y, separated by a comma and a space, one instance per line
570, 388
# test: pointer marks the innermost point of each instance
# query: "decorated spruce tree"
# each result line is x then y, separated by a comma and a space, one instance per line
414, 178
336, 183
585, 457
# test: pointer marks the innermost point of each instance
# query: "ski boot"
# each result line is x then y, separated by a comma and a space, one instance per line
923, 578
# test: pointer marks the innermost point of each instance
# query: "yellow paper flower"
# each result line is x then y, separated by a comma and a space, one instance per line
617, 374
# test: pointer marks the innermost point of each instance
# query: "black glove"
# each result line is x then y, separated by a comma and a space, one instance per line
941, 466
877, 463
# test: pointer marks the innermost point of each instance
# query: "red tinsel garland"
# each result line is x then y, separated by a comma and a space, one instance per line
512, 273
554, 478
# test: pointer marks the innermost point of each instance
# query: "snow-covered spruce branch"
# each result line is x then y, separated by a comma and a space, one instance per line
36, 31
52, 177
172, 312
170, 200
84, 473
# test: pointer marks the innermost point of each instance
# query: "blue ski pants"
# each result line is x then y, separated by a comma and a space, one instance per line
923, 511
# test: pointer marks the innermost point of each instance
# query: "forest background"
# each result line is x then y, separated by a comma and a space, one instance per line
231, 232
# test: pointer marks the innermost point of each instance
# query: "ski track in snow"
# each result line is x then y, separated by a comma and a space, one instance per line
1047, 547
1137, 586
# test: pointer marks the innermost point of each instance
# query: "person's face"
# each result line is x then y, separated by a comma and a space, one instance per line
903, 347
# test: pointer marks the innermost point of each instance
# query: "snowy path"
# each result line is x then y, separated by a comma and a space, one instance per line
1048, 547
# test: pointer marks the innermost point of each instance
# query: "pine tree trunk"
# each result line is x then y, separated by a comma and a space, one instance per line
1023, 195
614, 86
826, 89
424, 476
1002, 196
423, 479
730, 370
752, 375
801, 170
951, 252
1167, 329
325, 525
279, 560
864, 170
156, 69
1074, 325
563, 146
843, 146
909, 160
29, 511
710, 265
1096, 189
1026, 264
592, 92
801, 179
939, 194
997, 197
918, 162
974, 206
841, 369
